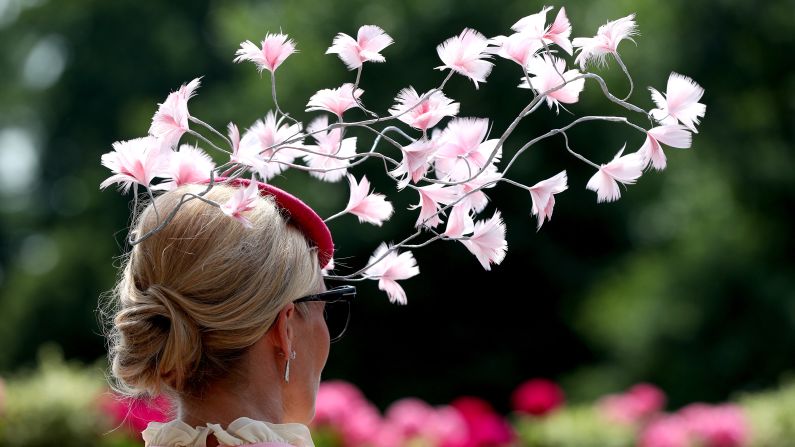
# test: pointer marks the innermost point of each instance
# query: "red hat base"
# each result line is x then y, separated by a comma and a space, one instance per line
300, 214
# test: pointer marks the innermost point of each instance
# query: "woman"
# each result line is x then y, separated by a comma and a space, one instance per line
226, 320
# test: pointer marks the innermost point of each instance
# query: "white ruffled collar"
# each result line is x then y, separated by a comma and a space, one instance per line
241, 431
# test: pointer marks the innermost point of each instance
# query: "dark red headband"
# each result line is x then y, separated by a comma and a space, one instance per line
300, 214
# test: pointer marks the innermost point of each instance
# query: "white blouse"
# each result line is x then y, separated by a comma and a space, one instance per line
241, 431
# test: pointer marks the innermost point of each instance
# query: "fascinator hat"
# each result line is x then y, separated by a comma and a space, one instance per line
299, 214
447, 162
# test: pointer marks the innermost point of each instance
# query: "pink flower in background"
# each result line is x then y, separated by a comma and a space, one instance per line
699, 424
362, 426
336, 401
138, 161
425, 115
431, 197
372, 208
465, 54
336, 100
135, 414
625, 169
464, 150
673, 135
537, 397
257, 147
518, 47
637, 405
328, 142
485, 426
413, 419
546, 71
446, 427
543, 196
342, 406
410, 416
188, 165
609, 35
487, 242
241, 201
667, 431
388, 435
680, 103
718, 425
415, 163
170, 121
535, 27
275, 49
367, 46
391, 269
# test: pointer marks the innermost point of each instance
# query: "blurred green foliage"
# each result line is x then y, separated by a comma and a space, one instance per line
580, 425
771, 415
57, 404
688, 281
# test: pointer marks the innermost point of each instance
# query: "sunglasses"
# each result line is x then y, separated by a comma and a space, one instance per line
337, 311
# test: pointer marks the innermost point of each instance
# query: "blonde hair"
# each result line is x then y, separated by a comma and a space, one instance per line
192, 298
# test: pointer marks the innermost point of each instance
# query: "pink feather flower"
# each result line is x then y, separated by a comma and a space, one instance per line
138, 161
487, 242
464, 150
391, 269
460, 221
465, 54
328, 143
625, 169
367, 46
543, 196
545, 71
336, 101
170, 121
431, 197
416, 161
673, 135
275, 49
234, 137
680, 103
372, 208
425, 115
259, 148
188, 165
478, 200
240, 202
595, 49
518, 47
534, 26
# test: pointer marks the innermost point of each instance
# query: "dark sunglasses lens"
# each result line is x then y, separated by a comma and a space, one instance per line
337, 314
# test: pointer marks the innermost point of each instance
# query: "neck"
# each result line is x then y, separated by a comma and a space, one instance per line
256, 393
222, 406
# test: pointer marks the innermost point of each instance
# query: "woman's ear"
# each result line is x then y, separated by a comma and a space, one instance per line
282, 331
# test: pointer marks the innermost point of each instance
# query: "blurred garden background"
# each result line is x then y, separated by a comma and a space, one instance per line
686, 283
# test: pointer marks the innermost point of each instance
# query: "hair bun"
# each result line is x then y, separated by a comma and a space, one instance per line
160, 343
